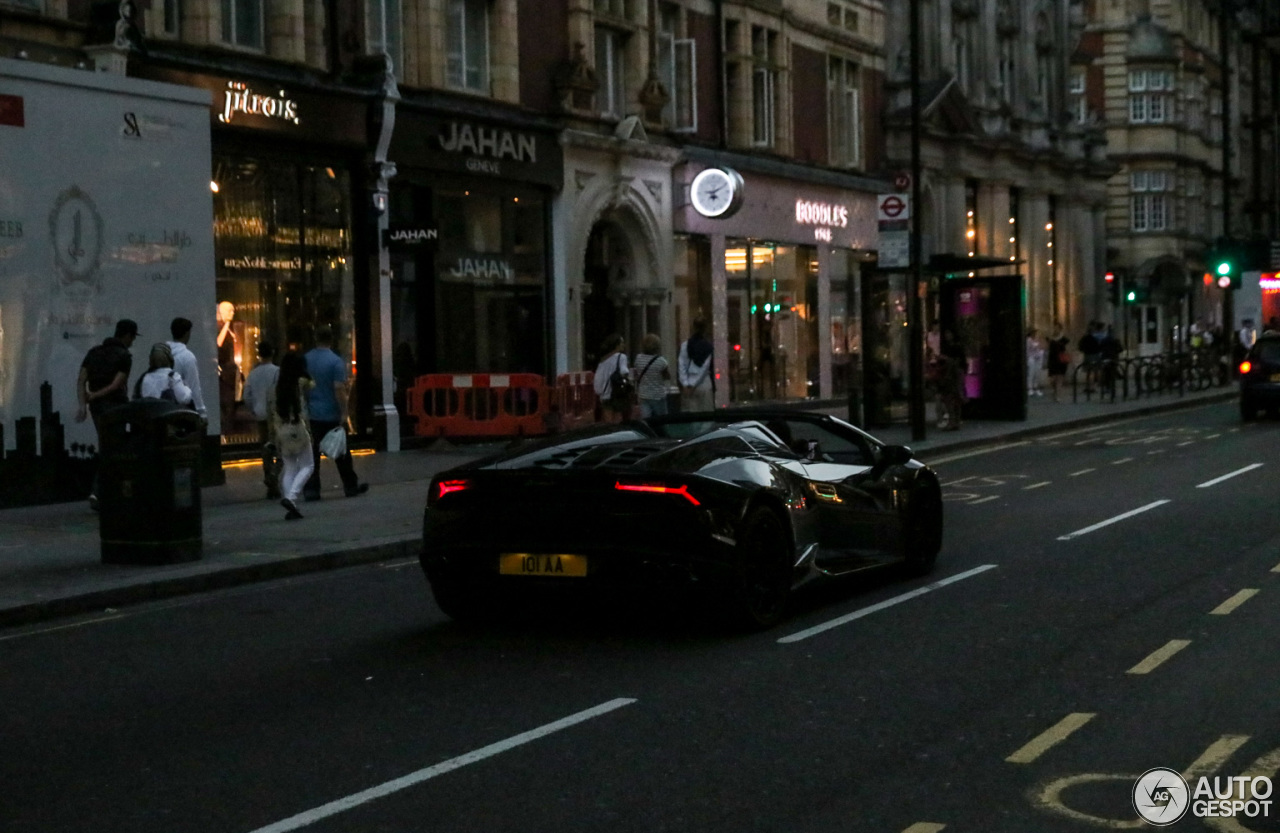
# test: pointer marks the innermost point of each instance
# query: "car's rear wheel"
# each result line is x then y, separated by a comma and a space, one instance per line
922, 529
461, 599
762, 586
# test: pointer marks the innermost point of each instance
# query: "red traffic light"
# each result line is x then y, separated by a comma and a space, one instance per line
1110, 277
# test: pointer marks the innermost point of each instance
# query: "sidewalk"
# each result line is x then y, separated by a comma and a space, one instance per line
50, 561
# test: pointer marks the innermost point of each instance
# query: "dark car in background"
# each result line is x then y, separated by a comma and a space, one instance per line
749, 504
1260, 377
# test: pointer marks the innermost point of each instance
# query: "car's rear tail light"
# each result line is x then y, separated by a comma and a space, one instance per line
1245, 367
444, 487
658, 488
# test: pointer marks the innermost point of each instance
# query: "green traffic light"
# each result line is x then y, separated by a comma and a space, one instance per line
1132, 296
1224, 268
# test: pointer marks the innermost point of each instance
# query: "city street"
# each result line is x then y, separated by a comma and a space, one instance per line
1105, 603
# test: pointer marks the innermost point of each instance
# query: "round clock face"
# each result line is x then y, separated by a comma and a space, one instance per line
716, 192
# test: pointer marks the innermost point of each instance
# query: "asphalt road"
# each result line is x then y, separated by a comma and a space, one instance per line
1063, 657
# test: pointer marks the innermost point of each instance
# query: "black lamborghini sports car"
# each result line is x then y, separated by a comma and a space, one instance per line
750, 504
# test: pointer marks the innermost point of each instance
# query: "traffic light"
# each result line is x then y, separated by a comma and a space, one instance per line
1113, 287
1225, 262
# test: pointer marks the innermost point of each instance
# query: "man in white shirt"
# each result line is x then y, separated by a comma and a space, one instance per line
184, 361
256, 387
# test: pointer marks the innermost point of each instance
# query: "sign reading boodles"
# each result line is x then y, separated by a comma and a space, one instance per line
105, 213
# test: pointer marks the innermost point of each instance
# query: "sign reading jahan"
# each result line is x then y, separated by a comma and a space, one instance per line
474, 147
410, 236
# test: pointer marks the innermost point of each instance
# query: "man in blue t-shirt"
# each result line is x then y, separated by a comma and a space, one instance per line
327, 404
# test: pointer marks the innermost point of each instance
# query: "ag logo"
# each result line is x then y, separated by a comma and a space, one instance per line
1161, 796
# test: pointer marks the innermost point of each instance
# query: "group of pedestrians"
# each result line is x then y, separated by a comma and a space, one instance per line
620, 384
295, 403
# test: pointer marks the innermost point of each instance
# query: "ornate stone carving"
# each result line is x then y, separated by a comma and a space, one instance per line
575, 81
653, 98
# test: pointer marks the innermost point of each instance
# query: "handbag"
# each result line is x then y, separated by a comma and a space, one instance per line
334, 443
1064, 357
620, 386
292, 438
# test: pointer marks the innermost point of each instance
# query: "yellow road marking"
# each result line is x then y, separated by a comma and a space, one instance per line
1121, 460
1050, 798
925, 827
1082, 471
1234, 602
1214, 757
1050, 737
1157, 657
1276, 569
1037, 485
1188, 442
1213, 436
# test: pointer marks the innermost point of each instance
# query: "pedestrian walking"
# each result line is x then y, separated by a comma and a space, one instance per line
328, 403
161, 381
185, 362
290, 429
256, 388
952, 368
612, 381
695, 369
1059, 358
652, 372
1035, 363
103, 383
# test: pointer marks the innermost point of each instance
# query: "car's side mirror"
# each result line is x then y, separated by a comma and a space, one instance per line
895, 455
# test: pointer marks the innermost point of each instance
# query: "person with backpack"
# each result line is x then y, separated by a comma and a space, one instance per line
612, 381
161, 381
652, 372
290, 429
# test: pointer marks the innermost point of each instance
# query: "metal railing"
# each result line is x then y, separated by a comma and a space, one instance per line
1139, 376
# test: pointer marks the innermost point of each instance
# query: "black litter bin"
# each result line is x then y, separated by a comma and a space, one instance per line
149, 483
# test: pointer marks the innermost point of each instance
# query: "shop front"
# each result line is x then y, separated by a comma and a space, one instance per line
287, 175
781, 283
470, 246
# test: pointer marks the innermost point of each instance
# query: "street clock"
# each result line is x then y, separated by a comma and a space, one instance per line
716, 192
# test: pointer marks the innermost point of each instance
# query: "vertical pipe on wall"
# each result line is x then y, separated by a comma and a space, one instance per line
916, 330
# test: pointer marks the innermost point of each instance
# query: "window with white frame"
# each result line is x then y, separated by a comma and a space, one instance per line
1150, 200
844, 112
242, 23
1195, 205
677, 68
1007, 68
384, 31
611, 71
842, 15
467, 45
1150, 96
1079, 103
764, 86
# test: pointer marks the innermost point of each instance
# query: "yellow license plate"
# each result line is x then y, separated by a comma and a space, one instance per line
538, 564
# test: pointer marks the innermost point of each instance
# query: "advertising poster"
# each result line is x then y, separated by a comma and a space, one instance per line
105, 213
